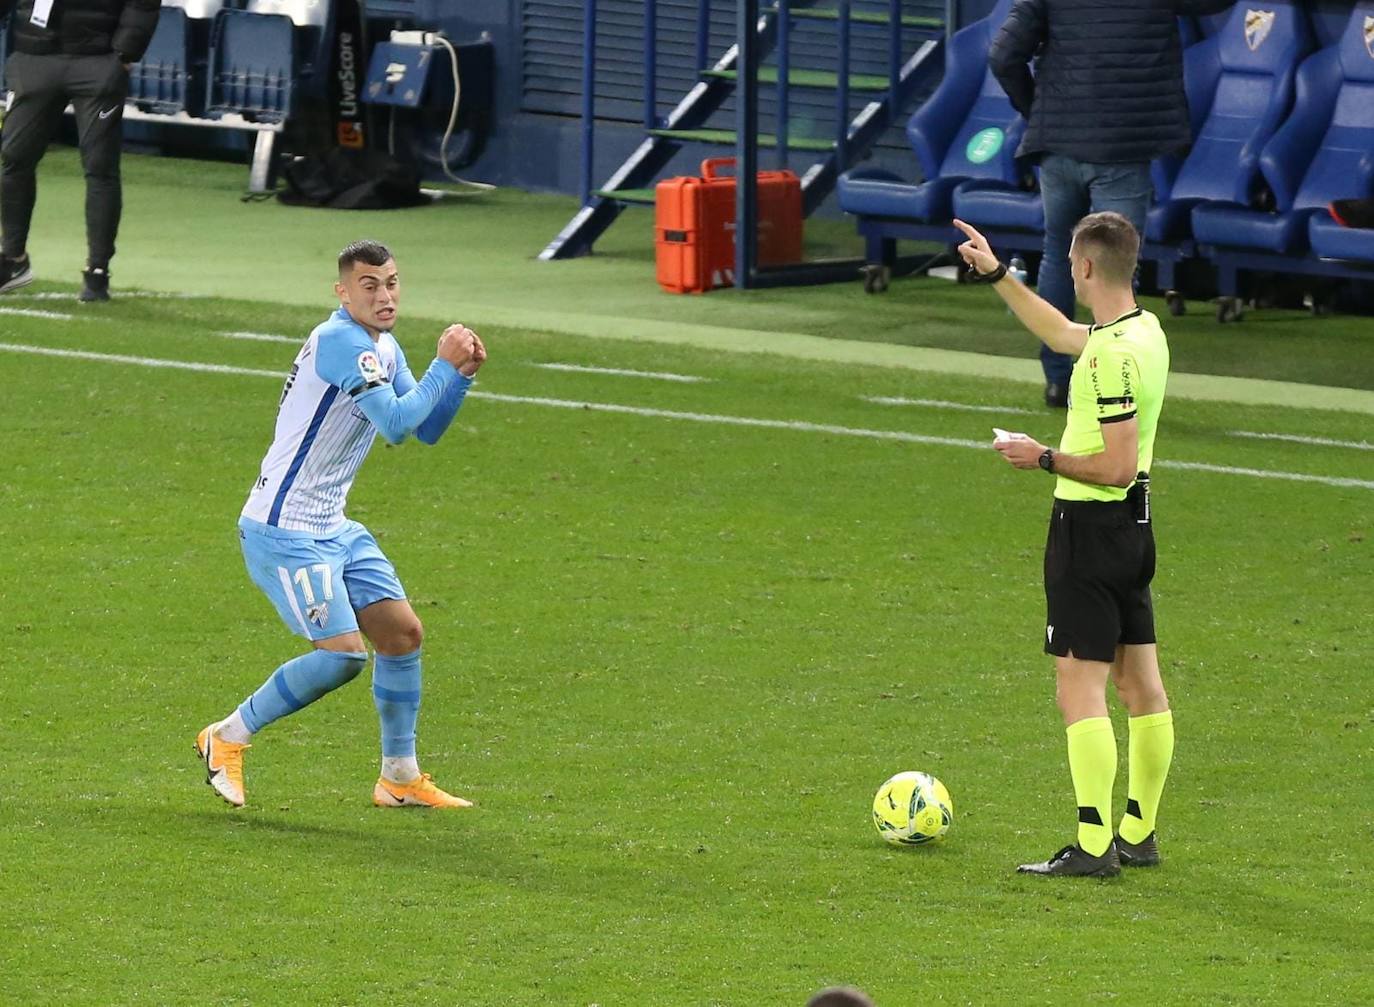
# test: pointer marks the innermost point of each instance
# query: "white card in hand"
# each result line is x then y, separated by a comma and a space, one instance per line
41, 10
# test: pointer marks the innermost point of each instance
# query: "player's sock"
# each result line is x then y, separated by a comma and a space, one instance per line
396, 692
1149, 753
234, 728
298, 683
1092, 763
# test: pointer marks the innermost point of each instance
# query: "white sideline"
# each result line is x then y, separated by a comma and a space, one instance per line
54, 316
622, 372
1324, 442
737, 421
262, 337
898, 400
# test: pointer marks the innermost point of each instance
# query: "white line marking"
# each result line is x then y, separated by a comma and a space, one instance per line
261, 337
898, 400
116, 358
1325, 442
623, 372
736, 421
55, 316
58, 295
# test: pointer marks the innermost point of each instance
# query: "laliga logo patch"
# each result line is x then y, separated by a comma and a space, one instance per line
1369, 36
318, 614
1258, 25
370, 367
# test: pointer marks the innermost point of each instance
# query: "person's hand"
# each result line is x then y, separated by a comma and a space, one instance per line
479, 357
1019, 450
457, 345
976, 251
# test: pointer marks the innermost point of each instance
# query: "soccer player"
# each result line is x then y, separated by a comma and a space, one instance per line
1100, 555
326, 575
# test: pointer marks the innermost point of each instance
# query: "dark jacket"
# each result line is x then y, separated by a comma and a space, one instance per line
85, 27
1108, 84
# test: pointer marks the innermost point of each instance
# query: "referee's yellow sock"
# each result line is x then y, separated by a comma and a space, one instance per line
1149, 753
1092, 763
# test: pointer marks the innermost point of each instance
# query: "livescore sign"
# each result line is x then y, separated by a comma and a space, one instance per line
348, 57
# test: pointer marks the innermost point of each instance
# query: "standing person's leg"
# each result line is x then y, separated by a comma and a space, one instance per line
34, 115
1151, 749
386, 618
1123, 188
1066, 201
99, 85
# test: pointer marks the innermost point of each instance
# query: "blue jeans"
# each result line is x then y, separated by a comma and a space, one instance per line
1071, 189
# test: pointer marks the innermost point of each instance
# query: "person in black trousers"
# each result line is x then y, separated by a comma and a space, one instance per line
76, 51
1105, 100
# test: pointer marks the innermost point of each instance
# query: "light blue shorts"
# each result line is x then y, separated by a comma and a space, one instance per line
318, 585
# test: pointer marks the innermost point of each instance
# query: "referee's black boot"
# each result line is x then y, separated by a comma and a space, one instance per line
14, 273
1074, 862
1142, 854
95, 285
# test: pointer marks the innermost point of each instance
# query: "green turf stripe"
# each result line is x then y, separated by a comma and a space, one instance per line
639, 197
864, 17
810, 78
727, 136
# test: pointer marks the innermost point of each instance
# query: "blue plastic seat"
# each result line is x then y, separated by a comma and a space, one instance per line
160, 81
252, 66
1239, 84
1324, 151
966, 130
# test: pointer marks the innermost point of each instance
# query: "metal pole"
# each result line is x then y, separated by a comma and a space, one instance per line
703, 33
650, 63
588, 97
746, 143
784, 70
894, 53
842, 89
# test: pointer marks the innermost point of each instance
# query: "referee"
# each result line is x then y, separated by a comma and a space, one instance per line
1100, 555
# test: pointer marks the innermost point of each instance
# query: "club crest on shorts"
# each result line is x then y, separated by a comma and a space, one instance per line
1369, 35
370, 367
1258, 25
318, 613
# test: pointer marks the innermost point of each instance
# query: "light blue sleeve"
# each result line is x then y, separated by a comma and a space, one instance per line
347, 359
432, 427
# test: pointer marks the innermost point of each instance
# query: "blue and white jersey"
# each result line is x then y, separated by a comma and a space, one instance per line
322, 436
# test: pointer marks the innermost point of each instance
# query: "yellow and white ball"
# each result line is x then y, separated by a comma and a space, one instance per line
912, 808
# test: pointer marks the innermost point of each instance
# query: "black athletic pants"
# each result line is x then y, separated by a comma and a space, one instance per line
96, 87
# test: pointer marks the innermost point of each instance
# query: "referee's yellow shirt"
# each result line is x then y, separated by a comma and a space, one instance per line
1121, 373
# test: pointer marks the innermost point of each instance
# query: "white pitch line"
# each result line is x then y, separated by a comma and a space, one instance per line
118, 358
58, 295
261, 337
623, 372
55, 316
736, 421
898, 400
1324, 442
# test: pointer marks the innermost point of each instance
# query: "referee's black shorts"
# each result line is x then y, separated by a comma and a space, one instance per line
1098, 566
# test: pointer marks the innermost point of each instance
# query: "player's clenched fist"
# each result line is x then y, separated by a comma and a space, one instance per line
479, 356
457, 345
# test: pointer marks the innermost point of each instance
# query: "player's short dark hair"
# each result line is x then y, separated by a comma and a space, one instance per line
840, 996
1111, 241
372, 253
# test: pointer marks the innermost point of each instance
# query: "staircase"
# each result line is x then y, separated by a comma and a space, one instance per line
914, 50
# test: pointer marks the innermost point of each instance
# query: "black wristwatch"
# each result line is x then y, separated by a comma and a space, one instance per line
1047, 459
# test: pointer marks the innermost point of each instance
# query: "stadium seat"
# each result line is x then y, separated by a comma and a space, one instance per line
1240, 85
252, 66
160, 81
966, 130
1323, 151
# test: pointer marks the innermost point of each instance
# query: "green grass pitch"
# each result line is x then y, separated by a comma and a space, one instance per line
671, 658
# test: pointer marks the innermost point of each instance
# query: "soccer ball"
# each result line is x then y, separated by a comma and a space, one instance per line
912, 808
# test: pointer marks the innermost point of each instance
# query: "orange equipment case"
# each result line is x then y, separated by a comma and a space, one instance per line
694, 223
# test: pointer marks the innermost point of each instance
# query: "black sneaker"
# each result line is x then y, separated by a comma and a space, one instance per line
1142, 854
95, 285
1057, 396
14, 273
1073, 862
